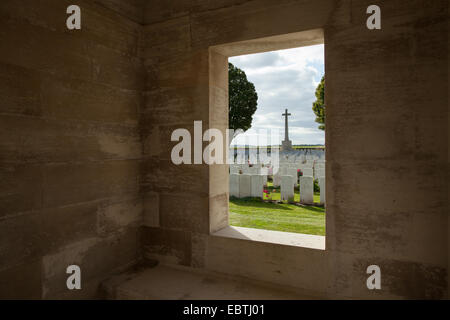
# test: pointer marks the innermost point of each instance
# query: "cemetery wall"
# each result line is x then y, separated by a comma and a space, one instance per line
71, 148
386, 191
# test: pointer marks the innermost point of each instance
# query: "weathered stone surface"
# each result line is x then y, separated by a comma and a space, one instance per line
104, 26
19, 91
151, 210
132, 9
97, 258
273, 263
72, 183
248, 21
218, 179
70, 105
159, 176
365, 72
156, 11
401, 279
23, 281
218, 212
79, 112
178, 105
63, 98
80, 59
189, 212
190, 68
37, 140
169, 38
116, 214
199, 243
21, 188
167, 246
30, 235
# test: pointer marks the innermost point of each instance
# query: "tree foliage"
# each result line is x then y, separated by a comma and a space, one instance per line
243, 99
319, 104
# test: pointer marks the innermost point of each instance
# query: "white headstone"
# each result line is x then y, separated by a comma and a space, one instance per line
307, 172
287, 188
255, 169
276, 180
306, 190
245, 186
264, 179
319, 173
264, 172
234, 185
322, 190
257, 185
293, 172
234, 169
305, 166
277, 176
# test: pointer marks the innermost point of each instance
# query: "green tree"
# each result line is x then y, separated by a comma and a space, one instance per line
243, 100
319, 104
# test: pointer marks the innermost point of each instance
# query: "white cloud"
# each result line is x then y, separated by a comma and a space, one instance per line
285, 79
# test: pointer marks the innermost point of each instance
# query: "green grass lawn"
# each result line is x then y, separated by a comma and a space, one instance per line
254, 213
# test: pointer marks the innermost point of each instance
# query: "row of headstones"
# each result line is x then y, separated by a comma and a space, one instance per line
318, 171
318, 168
246, 185
296, 156
319, 164
250, 169
289, 156
296, 162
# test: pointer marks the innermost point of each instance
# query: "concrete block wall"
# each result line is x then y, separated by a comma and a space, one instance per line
386, 97
70, 159
176, 94
387, 93
85, 125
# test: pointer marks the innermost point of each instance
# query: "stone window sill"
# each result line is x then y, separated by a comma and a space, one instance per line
277, 237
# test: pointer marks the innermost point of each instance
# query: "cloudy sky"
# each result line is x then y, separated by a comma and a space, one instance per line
285, 79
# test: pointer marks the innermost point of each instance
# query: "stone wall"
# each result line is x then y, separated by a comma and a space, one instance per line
70, 146
387, 198
386, 94
131, 9
86, 119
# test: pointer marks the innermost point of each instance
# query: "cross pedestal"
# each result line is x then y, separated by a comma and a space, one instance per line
286, 144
